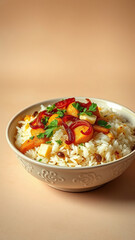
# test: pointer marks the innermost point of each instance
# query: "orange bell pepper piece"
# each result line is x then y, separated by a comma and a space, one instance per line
31, 143
100, 129
71, 110
55, 117
80, 137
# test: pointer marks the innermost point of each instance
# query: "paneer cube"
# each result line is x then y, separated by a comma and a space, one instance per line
45, 150
90, 119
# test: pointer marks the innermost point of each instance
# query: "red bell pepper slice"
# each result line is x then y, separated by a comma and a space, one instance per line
82, 123
37, 121
67, 118
85, 105
64, 103
70, 133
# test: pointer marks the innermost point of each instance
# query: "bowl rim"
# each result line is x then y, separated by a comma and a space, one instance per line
55, 166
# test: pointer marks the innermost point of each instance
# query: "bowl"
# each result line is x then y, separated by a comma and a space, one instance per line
66, 178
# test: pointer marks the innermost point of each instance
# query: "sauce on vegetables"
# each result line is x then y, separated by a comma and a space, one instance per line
80, 121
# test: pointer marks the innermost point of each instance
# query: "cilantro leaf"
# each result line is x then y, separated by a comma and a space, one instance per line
77, 106
31, 137
49, 129
50, 109
81, 144
49, 132
49, 142
86, 112
92, 107
40, 160
103, 123
45, 120
41, 135
59, 142
61, 112
89, 113
54, 123
108, 126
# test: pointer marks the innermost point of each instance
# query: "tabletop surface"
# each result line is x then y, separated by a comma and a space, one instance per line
51, 49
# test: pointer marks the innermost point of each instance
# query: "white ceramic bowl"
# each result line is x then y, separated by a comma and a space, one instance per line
72, 179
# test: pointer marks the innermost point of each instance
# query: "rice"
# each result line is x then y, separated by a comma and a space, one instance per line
102, 146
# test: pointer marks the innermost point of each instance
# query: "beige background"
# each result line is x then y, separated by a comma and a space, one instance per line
54, 49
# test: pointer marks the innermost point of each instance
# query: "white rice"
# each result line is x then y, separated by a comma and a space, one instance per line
78, 155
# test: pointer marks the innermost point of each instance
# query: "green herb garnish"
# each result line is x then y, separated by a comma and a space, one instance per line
83, 111
40, 160
49, 129
86, 112
77, 106
41, 135
32, 137
93, 107
61, 112
49, 142
103, 123
50, 109
54, 123
89, 113
59, 142
81, 144
45, 120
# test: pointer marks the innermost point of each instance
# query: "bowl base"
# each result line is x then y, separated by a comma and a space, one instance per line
77, 189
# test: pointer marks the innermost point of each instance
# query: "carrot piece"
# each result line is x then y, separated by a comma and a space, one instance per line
110, 135
80, 137
35, 132
55, 117
71, 110
27, 118
100, 129
31, 143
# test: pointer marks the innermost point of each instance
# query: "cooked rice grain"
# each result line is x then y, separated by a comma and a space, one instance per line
77, 155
